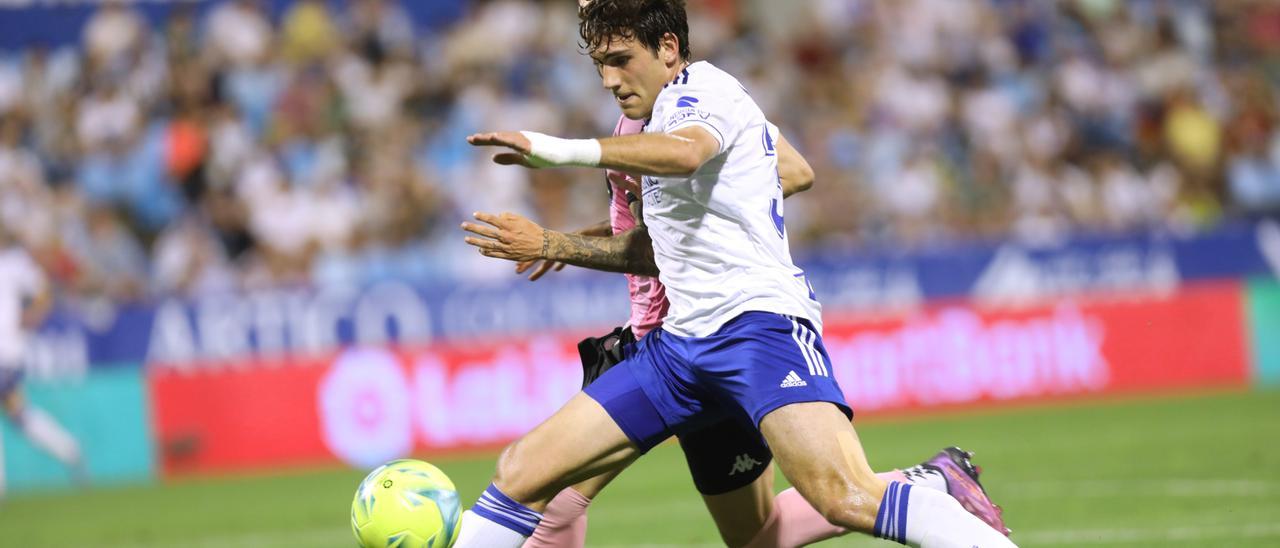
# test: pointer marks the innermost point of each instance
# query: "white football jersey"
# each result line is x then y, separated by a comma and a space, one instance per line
20, 281
718, 235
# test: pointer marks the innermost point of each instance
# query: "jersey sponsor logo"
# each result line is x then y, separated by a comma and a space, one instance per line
686, 109
686, 114
743, 463
792, 380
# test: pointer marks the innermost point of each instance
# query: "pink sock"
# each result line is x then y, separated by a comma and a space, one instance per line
795, 522
564, 522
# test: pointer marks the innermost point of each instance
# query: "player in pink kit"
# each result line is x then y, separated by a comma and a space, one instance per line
730, 463
648, 296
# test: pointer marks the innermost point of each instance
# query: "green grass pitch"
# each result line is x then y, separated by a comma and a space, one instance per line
1192, 471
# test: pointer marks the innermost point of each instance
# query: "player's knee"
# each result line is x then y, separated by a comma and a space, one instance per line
508, 472
847, 504
840, 515
517, 478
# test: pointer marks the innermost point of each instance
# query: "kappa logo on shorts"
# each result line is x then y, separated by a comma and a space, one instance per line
744, 463
793, 380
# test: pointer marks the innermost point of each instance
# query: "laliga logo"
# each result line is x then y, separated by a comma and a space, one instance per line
364, 408
372, 409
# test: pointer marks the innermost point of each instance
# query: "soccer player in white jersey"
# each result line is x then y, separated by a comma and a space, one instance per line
729, 462
24, 303
741, 339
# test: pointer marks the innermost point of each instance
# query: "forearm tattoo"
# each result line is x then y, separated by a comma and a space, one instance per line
630, 252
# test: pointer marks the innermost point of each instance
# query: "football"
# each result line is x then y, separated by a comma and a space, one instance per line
406, 504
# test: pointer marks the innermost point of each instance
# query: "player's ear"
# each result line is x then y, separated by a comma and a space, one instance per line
669, 49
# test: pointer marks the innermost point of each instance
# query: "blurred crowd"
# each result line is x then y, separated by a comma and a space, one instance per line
225, 149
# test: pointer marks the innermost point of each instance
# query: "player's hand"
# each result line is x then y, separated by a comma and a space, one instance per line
540, 268
513, 140
506, 236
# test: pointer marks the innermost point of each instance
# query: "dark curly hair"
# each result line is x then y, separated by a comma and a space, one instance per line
602, 21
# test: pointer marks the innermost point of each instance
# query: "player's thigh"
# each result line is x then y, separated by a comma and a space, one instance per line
578, 442
818, 450
729, 463
601, 429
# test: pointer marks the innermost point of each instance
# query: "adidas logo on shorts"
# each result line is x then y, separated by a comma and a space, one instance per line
792, 380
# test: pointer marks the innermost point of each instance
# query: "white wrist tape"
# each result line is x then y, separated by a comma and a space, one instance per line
548, 151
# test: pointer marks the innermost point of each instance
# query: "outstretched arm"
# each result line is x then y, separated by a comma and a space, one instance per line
679, 153
513, 237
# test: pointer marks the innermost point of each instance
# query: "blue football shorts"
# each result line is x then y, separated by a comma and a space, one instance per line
759, 361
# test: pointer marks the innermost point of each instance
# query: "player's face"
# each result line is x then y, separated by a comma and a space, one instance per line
634, 74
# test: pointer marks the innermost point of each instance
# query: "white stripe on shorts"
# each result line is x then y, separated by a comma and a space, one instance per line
816, 357
795, 336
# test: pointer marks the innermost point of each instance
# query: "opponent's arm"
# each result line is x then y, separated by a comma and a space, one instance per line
793, 169
679, 153
630, 252
602, 228
513, 237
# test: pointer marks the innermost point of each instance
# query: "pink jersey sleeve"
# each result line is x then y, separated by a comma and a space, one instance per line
648, 296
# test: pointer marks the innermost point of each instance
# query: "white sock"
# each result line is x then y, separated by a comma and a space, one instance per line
45, 433
932, 519
478, 532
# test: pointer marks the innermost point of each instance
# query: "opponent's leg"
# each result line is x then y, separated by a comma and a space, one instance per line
564, 522
731, 467
818, 450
